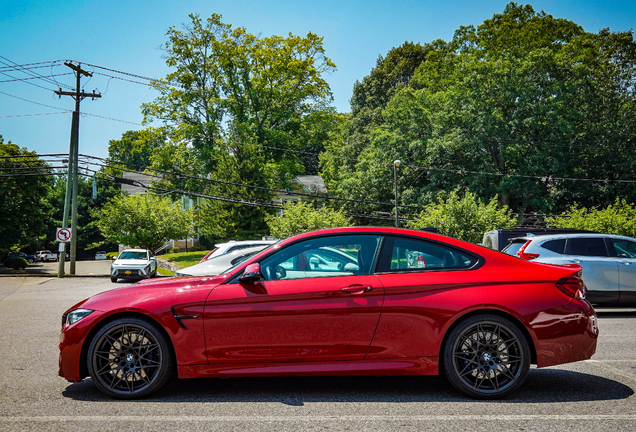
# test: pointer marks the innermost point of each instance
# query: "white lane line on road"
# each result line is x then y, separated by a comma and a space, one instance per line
304, 418
603, 365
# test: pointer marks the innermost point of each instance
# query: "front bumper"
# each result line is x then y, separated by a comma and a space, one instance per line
123, 272
71, 347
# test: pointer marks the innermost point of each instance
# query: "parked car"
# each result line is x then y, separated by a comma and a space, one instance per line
134, 264
101, 255
477, 316
29, 258
498, 239
223, 248
217, 265
45, 255
608, 262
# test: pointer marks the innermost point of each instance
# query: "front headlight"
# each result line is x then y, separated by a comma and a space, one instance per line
75, 315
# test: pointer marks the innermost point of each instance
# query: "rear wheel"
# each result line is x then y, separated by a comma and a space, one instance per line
129, 358
486, 357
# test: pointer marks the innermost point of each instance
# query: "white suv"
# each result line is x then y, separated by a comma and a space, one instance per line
608, 262
134, 264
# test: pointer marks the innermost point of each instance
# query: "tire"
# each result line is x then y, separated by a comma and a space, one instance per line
486, 357
113, 279
129, 358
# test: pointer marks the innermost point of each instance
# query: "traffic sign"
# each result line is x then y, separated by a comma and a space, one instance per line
63, 235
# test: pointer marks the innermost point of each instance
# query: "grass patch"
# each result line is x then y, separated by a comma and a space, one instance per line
185, 259
164, 272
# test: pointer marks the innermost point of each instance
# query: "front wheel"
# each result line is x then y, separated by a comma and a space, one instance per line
113, 279
486, 357
129, 358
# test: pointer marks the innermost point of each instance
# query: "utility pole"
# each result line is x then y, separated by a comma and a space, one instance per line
71, 181
396, 164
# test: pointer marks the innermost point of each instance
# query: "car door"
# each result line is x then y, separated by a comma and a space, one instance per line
600, 271
412, 272
296, 313
625, 252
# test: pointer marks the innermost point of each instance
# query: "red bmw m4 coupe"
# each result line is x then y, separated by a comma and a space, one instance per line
342, 301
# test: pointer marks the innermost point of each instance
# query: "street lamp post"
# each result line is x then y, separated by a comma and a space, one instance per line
396, 164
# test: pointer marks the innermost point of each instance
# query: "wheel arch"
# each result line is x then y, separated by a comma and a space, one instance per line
126, 314
498, 312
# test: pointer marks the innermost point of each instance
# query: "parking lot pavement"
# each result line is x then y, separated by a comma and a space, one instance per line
90, 268
593, 395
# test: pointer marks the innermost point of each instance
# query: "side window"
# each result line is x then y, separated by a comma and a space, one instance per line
586, 247
402, 254
557, 246
623, 248
323, 257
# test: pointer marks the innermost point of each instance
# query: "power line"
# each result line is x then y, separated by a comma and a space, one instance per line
33, 74
29, 78
30, 115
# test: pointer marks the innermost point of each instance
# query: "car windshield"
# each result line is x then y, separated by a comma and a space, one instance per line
236, 264
132, 255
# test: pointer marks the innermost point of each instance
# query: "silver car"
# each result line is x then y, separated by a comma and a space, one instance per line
608, 262
218, 264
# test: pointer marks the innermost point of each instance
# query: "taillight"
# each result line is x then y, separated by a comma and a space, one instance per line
572, 287
524, 255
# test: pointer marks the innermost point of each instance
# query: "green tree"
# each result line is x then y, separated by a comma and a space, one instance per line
144, 221
507, 109
24, 185
464, 218
299, 217
617, 218
137, 147
244, 105
88, 234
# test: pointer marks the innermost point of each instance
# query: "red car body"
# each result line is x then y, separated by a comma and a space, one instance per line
383, 323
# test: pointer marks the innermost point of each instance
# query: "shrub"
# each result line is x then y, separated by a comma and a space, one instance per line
464, 218
174, 250
16, 263
112, 255
299, 217
618, 218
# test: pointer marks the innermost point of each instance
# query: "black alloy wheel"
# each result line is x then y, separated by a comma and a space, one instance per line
129, 358
486, 357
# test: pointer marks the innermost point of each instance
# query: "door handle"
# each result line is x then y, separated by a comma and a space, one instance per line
625, 262
357, 289
575, 261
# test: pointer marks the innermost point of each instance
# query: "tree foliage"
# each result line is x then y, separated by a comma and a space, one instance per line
23, 210
617, 218
144, 221
240, 105
299, 217
509, 108
465, 218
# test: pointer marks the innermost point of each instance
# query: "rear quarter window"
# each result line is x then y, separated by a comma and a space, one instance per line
557, 246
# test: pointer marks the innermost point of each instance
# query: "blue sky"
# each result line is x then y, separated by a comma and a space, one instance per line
127, 35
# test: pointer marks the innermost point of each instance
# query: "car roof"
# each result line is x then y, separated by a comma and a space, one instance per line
571, 235
242, 242
134, 250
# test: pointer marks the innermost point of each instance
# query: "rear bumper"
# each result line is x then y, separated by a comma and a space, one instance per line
566, 334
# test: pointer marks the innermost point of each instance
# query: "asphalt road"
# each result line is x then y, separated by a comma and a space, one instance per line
595, 395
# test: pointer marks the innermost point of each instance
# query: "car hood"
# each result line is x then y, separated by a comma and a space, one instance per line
136, 295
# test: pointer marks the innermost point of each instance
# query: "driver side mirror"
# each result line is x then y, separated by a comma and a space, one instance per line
251, 274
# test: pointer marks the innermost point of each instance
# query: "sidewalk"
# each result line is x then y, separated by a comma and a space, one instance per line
82, 269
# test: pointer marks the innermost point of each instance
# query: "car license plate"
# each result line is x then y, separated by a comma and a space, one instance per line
127, 272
